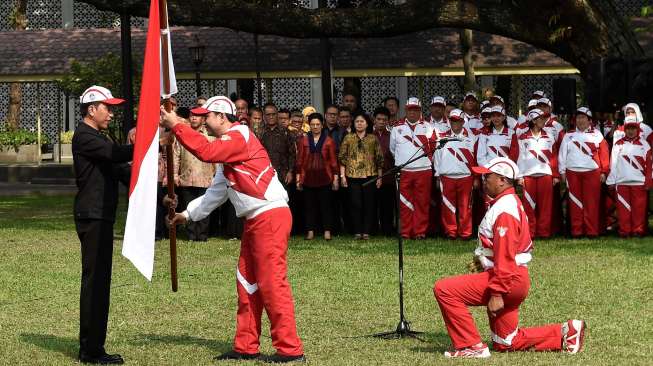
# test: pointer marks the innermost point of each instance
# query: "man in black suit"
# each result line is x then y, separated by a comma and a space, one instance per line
99, 165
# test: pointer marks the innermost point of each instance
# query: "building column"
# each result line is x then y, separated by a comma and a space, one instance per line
317, 100
67, 14
402, 94
232, 88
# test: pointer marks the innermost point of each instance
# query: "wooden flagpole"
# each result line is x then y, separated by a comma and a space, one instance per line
165, 68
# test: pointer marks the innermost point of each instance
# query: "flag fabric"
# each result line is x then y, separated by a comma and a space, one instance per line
166, 52
138, 243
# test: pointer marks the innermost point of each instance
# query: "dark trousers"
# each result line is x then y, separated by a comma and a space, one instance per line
232, 225
317, 204
161, 231
96, 237
296, 203
361, 204
197, 230
385, 199
344, 213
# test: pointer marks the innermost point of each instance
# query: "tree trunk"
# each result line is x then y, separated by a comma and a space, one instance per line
466, 44
13, 114
19, 22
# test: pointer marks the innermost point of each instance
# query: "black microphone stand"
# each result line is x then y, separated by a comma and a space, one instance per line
403, 328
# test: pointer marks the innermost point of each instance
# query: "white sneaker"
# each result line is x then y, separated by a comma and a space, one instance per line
481, 351
573, 335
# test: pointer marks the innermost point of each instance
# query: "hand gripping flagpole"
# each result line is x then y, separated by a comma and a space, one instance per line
165, 68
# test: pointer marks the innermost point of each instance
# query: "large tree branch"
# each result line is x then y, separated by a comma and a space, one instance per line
577, 31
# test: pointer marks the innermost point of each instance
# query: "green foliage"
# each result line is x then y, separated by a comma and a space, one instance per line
107, 72
647, 11
66, 137
16, 138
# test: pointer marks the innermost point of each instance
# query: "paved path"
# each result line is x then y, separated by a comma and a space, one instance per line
22, 189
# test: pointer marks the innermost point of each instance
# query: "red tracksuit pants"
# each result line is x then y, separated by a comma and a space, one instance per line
584, 202
262, 283
538, 197
455, 294
632, 202
415, 197
456, 206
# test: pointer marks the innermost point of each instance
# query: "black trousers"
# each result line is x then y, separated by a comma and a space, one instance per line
161, 231
196, 230
231, 224
318, 205
385, 200
344, 213
96, 237
362, 205
296, 203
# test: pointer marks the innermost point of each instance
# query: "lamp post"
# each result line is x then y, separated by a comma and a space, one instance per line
197, 54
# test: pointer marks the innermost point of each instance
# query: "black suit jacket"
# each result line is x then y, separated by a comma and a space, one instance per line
99, 165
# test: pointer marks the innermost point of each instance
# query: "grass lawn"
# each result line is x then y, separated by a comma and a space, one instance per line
343, 291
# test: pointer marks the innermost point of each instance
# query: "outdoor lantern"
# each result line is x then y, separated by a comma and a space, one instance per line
197, 51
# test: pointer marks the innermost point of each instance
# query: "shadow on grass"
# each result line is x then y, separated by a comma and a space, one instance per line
67, 346
215, 345
434, 342
639, 247
383, 245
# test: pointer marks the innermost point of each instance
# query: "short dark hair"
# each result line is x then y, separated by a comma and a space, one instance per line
269, 104
381, 110
284, 110
83, 108
296, 113
231, 117
367, 119
255, 109
386, 99
183, 112
344, 109
317, 116
331, 106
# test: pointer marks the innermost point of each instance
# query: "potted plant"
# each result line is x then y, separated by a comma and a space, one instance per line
20, 146
66, 141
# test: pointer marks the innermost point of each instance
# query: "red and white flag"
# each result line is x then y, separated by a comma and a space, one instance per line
138, 244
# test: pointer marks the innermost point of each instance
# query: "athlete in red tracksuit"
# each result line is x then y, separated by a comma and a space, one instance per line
246, 177
584, 162
536, 155
440, 124
494, 141
504, 252
452, 164
630, 179
409, 139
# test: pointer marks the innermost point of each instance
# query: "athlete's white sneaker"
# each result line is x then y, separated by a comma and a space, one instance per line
481, 351
573, 335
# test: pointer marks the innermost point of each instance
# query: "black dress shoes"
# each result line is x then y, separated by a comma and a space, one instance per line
277, 358
233, 355
101, 359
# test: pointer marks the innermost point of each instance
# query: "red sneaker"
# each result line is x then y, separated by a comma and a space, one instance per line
481, 351
573, 335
